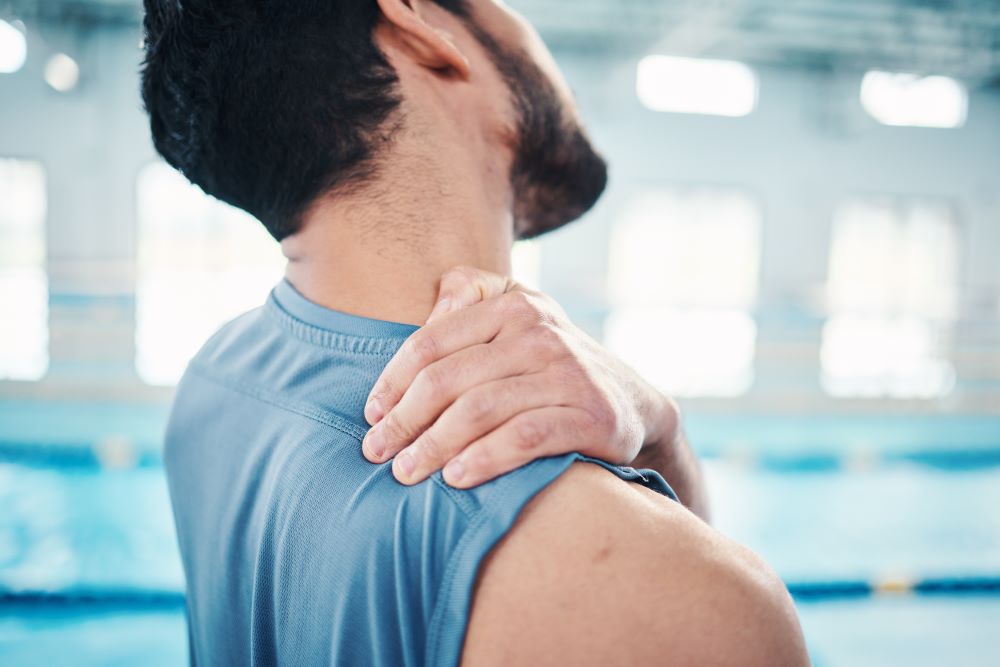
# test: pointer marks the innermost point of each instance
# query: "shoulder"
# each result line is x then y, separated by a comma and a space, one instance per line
632, 578
232, 335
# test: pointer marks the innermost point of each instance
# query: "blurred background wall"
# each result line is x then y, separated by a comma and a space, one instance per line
803, 223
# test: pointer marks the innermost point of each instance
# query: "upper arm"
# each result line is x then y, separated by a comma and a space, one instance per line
597, 571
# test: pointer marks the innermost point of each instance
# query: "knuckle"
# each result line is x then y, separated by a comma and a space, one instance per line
548, 340
458, 277
432, 380
532, 308
430, 447
530, 433
602, 417
382, 389
390, 383
424, 348
519, 303
396, 428
477, 407
467, 284
546, 304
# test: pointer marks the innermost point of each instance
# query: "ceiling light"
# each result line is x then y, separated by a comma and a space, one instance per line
13, 48
695, 85
910, 99
62, 72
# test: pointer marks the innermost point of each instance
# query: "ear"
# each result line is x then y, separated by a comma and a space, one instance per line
431, 47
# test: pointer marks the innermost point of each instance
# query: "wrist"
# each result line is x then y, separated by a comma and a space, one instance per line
662, 420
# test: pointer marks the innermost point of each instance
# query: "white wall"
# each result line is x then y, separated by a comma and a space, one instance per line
806, 146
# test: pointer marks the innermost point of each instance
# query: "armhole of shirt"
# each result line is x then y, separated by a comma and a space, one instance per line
446, 631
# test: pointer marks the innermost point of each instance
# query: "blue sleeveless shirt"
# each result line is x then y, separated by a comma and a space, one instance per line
297, 550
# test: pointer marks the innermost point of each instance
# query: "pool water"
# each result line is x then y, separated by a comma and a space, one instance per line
89, 571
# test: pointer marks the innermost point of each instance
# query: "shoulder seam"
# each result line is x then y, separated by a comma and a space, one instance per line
483, 520
435, 625
323, 417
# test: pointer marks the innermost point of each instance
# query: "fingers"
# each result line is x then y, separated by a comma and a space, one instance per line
437, 386
464, 286
471, 417
461, 287
473, 325
530, 435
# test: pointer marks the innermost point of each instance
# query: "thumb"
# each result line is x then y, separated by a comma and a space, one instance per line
465, 285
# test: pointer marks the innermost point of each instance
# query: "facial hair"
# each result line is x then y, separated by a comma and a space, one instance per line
556, 174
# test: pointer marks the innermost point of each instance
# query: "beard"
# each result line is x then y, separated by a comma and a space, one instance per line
556, 174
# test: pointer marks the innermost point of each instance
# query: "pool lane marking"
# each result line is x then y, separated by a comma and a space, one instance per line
138, 599
971, 586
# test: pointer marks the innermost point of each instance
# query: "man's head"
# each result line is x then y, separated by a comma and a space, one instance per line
271, 105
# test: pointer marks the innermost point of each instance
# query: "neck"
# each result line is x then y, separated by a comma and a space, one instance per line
380, 252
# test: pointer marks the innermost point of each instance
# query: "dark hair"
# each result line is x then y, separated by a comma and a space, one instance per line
267, 104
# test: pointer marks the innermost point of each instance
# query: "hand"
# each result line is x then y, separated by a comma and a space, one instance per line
498, 377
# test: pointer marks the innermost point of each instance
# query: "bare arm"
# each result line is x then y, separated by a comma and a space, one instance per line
600, 572
668, 452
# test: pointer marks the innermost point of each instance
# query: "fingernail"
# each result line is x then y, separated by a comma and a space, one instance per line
454, 471
374, 411
407, 463
373, 443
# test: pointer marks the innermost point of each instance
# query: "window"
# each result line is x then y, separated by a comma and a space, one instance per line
694, 85
683, 280
200, 264
526, 263
892, 294
910, 99
24, 294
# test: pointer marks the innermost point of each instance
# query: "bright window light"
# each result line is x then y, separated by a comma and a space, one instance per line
683, 279
892, 293
696, 352
910, 99
13, 48
693, 85
62, 73
884, 356
526, 263
24, 294
200, 264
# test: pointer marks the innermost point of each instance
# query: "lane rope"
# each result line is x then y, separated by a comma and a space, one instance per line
971, 586
139, 599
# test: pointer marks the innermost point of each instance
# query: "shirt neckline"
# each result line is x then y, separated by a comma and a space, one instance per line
292, 302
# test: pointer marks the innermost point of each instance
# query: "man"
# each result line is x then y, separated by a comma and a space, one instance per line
383, 142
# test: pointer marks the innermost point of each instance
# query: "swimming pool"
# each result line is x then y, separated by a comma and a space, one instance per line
89, 573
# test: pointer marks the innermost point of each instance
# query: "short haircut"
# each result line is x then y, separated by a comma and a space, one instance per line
268, 104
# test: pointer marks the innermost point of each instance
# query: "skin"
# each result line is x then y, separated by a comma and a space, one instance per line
500, 376
442, 198
597, 572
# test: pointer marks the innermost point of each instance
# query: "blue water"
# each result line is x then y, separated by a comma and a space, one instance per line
51, 638
82, 526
